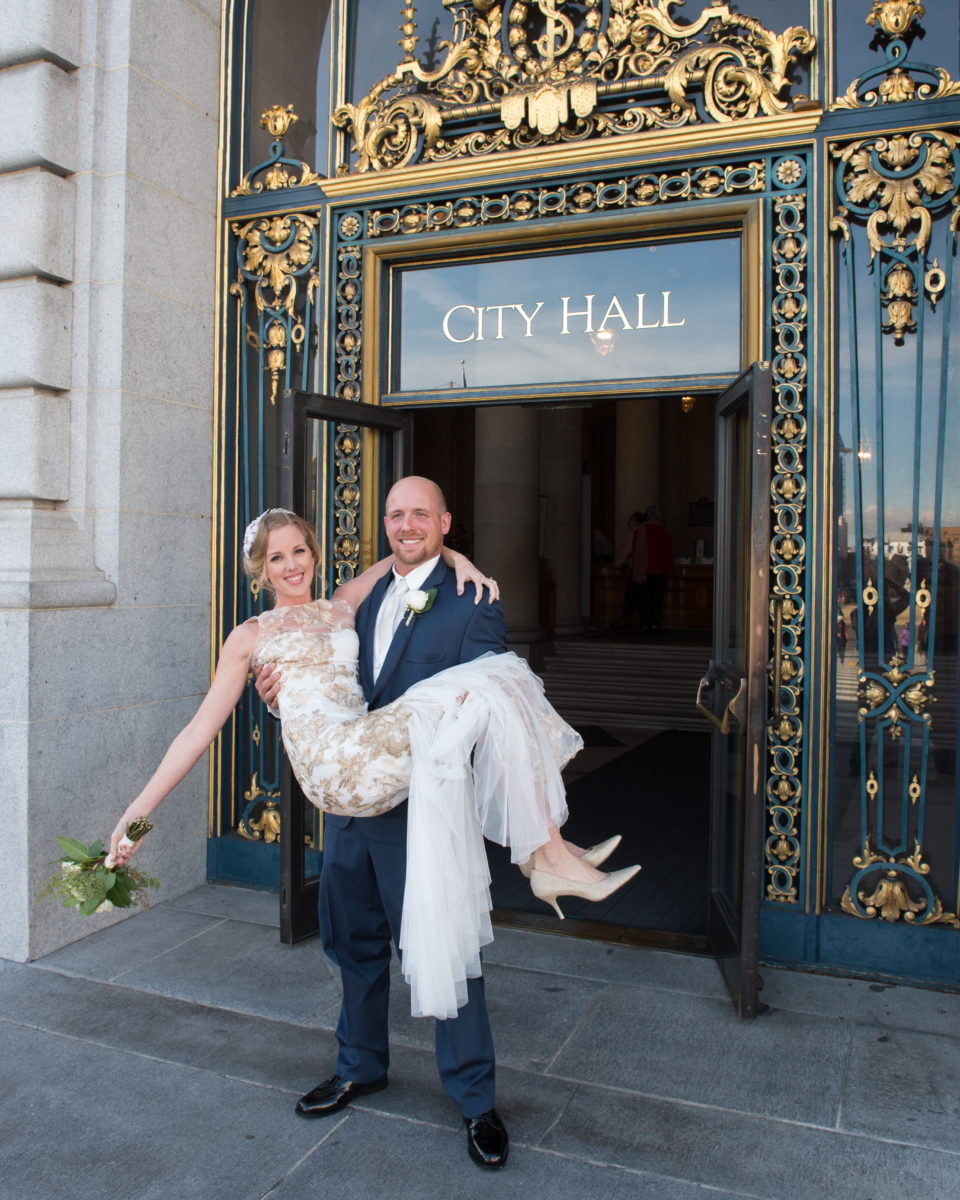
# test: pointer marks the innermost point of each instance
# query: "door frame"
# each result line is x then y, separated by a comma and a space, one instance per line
298, 889
733, 695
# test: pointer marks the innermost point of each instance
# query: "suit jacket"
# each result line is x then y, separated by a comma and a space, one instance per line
453, 630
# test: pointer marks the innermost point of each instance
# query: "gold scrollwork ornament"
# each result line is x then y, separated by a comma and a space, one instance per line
277, 173
275, 252
891, 899
266, 826
589, 73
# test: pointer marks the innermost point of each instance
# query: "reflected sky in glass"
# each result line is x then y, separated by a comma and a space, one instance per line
620, 312
901, 435
937, 41
375, 34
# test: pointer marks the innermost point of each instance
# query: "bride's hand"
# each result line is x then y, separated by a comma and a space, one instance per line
468, 573
121, 848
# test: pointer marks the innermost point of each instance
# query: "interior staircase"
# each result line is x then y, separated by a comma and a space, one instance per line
635, 687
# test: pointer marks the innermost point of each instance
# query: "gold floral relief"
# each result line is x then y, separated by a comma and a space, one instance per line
895, 186
278, 172
785, 793
568, 73
275, 254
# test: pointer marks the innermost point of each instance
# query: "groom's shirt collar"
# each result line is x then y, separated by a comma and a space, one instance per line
416, 578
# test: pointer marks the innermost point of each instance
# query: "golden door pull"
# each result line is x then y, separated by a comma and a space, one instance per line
737, 708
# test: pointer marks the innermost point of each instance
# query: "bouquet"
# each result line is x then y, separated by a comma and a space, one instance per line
90, 880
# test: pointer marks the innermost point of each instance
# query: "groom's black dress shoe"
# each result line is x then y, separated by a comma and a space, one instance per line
487, 1139
335, 1093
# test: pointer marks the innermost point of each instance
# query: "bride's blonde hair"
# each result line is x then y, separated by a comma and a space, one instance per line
255, 557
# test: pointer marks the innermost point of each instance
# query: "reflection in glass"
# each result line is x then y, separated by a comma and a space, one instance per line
374, 36
858, 49
896, 602
287, 65
617, 312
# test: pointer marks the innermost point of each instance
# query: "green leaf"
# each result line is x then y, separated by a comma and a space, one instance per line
73, 850
91, 905
119, 894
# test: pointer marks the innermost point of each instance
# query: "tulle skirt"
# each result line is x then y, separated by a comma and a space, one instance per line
489, 766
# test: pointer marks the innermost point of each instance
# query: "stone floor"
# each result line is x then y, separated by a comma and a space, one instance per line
161, 1058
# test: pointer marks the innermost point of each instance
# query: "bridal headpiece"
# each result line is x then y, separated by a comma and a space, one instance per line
251, 530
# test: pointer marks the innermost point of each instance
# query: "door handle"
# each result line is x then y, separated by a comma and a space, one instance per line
704, 692
737, 708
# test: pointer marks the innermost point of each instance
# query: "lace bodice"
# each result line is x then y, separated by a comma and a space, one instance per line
316, 647
348, 761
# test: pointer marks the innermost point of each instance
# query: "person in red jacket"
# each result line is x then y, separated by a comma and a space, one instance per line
649, 550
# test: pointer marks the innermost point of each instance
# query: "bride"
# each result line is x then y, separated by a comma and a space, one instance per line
477, 746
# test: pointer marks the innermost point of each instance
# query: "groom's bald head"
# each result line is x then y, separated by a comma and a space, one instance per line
416, 519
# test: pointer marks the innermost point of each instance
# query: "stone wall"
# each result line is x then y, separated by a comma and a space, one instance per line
108, 191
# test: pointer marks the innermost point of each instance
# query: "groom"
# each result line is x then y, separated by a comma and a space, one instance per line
364, 859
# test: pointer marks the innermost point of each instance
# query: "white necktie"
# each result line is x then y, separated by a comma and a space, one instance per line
388, 618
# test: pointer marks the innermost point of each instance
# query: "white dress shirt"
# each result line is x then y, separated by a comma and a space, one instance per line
393, 610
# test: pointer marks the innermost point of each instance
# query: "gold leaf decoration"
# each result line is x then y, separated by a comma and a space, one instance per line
569, 72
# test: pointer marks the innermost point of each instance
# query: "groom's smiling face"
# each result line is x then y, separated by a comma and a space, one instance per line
415, 521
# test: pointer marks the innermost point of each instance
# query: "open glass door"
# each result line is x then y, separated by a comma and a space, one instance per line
732, 695
325, 445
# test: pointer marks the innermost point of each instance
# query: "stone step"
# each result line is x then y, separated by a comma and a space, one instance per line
631, 687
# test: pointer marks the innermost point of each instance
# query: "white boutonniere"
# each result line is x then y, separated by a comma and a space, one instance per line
418, 602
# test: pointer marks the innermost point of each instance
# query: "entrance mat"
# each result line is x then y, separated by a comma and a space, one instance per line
656, 796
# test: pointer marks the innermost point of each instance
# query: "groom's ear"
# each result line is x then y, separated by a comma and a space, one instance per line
445, 522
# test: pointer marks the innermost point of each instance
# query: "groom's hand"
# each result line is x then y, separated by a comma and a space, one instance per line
268, 684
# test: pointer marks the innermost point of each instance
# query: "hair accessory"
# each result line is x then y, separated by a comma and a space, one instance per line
251, 530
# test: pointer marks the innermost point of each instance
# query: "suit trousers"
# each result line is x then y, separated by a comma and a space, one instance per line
361, 901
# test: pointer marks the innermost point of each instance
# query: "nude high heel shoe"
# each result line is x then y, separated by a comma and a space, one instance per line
601, 851
594, 856
549, 887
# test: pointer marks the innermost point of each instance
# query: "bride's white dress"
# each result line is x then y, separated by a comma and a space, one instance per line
477, 746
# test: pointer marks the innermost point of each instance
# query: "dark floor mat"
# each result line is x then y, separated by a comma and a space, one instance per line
657, 797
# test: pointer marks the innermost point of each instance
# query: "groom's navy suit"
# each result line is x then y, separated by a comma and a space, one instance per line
364, 858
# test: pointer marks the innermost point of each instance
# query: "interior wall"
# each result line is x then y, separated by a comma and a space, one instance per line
687, 473
444, 450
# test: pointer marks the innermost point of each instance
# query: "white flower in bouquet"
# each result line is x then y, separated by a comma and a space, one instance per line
92, 882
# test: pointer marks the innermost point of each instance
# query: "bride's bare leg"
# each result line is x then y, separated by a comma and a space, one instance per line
561, 858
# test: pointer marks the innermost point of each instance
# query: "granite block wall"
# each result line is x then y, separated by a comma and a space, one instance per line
108, 184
